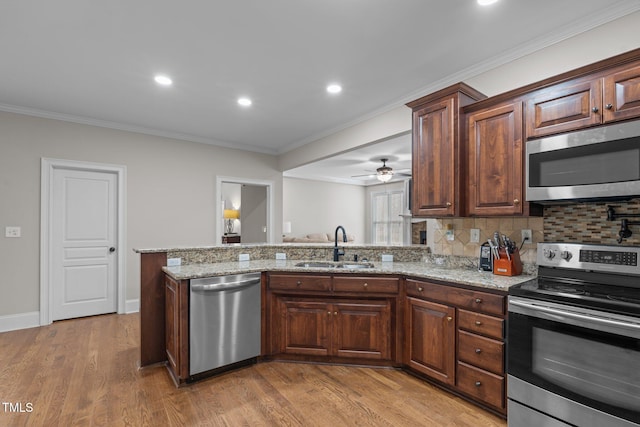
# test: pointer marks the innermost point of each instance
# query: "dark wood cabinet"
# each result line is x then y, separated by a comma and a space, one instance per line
177, 328
430, 339
583, 102
321, 327
340, 316
495, 161
456, 336
436, 151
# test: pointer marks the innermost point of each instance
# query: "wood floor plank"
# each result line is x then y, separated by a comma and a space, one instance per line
83, 372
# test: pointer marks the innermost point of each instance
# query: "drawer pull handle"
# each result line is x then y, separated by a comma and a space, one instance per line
478, 300
478, 323
478, 383
420, 289
478, 350
365, 284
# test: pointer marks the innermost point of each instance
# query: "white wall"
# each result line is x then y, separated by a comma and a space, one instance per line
170, 193
319, 207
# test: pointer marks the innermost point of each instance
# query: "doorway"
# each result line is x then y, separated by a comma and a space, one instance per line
252, 201
82, 239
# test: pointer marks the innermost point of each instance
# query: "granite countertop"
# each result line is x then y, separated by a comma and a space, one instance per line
464, 276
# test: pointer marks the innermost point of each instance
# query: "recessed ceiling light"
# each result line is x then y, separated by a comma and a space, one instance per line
334, 88
163, 80
486, 2
245, 102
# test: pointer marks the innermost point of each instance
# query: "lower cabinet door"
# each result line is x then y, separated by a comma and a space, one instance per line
430, 343
305, 327
362, 330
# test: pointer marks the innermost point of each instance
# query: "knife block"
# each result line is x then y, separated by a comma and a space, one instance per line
508, 267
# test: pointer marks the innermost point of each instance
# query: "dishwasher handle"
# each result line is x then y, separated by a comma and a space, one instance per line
213, 287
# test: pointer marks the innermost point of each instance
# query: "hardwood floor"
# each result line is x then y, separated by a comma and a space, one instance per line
84, 372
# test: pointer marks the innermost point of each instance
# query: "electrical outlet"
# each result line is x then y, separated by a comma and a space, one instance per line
174, 262
475, 235
527, 237
12, 232
281, 255
243, 257
387, 258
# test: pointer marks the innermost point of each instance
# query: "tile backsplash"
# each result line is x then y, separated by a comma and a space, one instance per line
587, 223
579, 223
461, 228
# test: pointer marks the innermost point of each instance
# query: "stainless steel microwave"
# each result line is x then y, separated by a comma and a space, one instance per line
597, 163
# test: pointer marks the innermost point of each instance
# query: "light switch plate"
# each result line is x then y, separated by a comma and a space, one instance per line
475, 235
243, 257
12, 232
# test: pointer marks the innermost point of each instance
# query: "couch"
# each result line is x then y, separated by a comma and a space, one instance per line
317, 238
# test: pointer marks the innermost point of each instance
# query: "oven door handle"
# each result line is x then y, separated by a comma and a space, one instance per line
588, 319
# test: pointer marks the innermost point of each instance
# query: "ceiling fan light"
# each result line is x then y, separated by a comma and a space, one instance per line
385, 176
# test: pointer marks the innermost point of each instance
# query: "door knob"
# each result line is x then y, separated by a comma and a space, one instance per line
112, 249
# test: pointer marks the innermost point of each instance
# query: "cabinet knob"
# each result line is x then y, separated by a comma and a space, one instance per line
329, 313
448, 203
335, 313
365, 284
449, 318
478, 300
595, 109
608, 106
516, 201
420, 289
478, 323
478, 383
298, 283
478, 350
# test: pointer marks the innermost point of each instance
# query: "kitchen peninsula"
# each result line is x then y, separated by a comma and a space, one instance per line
380, 315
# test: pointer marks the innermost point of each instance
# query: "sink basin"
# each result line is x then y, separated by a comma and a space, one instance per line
354, 265
316, 265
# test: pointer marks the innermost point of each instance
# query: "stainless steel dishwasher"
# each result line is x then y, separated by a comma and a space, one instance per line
224, 321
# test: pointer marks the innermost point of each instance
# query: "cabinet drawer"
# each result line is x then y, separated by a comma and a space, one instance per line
300, 282
366, 284
465, 298
481, 324
482, 385
482, 352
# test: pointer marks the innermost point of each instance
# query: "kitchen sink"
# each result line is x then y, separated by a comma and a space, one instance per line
327, 264
317, 265
354, 265
347, 265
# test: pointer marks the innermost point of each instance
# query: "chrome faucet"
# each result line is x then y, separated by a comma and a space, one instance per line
336, 251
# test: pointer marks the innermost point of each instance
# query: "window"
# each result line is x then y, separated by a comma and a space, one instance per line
386, 208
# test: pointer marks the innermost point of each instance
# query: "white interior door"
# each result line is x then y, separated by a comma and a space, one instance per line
84, 219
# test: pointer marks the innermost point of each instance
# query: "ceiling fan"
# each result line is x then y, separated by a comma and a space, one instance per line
384, 173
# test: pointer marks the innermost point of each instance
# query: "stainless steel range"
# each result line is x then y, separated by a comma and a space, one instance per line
573, 349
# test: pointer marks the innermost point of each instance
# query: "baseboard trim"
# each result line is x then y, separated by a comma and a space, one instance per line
132, 306
14, 322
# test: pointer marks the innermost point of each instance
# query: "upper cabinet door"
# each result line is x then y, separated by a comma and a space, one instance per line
495, 161
564, 107
622, 95
434, 159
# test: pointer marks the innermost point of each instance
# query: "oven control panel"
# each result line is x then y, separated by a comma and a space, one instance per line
613, 259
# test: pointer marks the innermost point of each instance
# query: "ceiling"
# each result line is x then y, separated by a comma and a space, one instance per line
94, 62
358, 167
